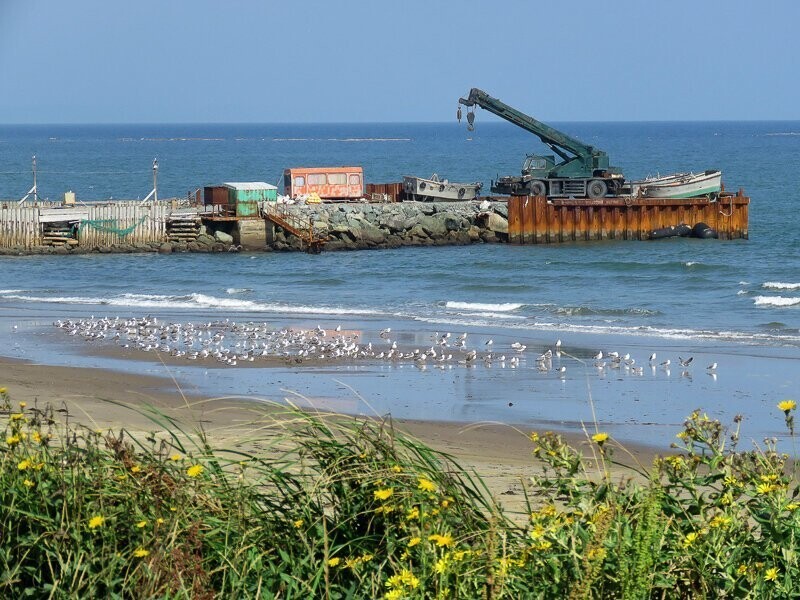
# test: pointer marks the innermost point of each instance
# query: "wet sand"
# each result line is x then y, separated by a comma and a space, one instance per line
501, 454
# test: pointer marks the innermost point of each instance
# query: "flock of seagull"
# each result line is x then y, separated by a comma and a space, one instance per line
231, 343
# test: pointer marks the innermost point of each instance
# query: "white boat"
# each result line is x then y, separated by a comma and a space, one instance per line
435, 189
679, 185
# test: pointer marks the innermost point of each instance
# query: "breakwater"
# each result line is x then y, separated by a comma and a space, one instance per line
165, 227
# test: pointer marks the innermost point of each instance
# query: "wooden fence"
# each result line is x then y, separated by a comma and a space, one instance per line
84, 224
535, 220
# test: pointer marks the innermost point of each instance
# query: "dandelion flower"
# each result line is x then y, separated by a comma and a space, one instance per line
600, 438
23, 464
17, 416
394, 595
412, 514
792, 506
175, 457
742, 569
426, 485
135, 469
384, 494
771, 574
141, 524
397, 469
413, 542
159, 521
3, 390
690, 539
12, 440
141, 553
334, 561
765, 488
195, 470
23, 404
787, 405
96, 522
298, 524
28, 483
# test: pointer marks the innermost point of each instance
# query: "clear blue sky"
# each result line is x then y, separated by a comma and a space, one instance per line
159, 61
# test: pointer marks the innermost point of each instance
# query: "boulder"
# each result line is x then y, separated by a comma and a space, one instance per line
165, 248
496, 223
223, 237
433, 226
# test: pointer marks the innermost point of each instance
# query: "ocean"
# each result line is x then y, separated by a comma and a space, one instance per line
732, 302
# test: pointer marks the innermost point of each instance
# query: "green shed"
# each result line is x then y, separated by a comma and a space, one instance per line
244, 197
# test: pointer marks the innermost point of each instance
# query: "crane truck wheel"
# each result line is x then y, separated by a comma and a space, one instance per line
538, 188
596, 188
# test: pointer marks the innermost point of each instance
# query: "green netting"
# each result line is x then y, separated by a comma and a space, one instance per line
109, 226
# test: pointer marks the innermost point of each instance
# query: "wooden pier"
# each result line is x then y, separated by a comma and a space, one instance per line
537, 220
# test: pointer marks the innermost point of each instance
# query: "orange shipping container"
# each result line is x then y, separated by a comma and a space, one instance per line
331, 183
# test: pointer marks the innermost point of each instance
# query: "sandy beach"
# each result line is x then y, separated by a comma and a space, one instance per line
501, 454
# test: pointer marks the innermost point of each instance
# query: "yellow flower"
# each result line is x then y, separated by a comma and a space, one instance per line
36, 437
441, 540
394, 595
413, 542
690, 539
17, 416
135, 469
771, 574
787, 405
397, 469
426, 485
600, 438
175, 457
28, 483
334, 561
409, 579
3, 390
366, 558
141, 553
534, 437
23, 404
765, 488
792, 506
141, 524
96, 522
195, 470
730, 481
298, 524
384, 494
742, 569
412, 514
720, 521
441, 565
445, 503
159, 521
23, 464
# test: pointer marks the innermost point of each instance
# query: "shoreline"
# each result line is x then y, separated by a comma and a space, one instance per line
500, 453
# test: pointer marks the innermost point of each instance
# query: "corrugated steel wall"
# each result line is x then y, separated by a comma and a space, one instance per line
535, 220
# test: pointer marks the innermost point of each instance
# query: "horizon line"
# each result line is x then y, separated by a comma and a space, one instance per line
494, 120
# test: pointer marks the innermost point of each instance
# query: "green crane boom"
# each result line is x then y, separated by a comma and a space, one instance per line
582, 171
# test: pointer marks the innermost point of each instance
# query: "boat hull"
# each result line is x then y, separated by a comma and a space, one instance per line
680, 185
434, 189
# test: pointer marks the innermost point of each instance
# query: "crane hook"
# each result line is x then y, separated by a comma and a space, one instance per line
458, 114
470, 120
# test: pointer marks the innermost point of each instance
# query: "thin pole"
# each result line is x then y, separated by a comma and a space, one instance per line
35, 189
155, 180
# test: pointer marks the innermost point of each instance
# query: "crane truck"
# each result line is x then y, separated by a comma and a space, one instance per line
583, 170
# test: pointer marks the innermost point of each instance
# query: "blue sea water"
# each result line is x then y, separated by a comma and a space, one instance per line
734, 302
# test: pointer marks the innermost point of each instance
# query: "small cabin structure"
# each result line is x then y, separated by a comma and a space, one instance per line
329, 183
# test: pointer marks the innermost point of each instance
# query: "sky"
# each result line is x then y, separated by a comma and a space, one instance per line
297, 61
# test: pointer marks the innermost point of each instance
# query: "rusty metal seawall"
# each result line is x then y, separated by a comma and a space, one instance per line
536, 220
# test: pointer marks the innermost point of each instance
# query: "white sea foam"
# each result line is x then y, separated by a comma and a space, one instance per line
742, 292
503, 307
744, 283
238, 290
779, 285
775, 301
11, 291
195, 301
690, 263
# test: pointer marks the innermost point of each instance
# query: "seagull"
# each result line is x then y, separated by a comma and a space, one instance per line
489, 342
687, 362
558, 343
653, 357
520, 348
385, 332
712, 367
666, 363
516, 345
599, 356
562, 371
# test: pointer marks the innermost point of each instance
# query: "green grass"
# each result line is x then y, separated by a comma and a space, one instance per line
334, 507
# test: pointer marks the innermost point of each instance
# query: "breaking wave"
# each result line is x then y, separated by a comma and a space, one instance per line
775, 301
779, 285
477, 306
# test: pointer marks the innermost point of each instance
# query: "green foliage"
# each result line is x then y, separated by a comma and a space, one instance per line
335, 508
